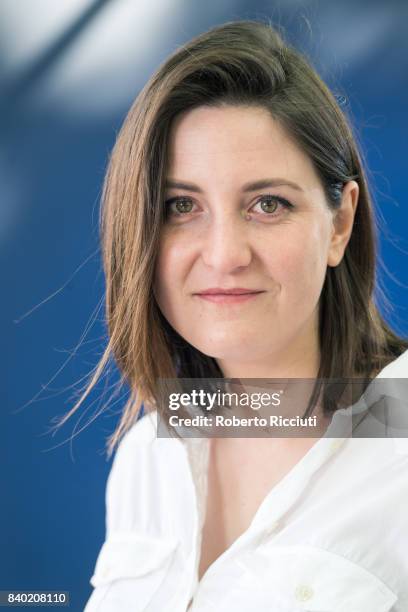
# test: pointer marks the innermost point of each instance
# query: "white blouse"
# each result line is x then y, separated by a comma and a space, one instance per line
331, 536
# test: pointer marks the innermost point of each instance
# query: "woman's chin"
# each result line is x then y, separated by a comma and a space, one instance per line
225, 350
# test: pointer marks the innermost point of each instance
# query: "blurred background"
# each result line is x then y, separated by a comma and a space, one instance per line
69, 71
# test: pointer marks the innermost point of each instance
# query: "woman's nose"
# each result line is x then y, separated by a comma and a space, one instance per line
226, 243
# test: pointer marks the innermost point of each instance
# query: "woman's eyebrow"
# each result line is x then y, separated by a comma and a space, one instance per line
270, 182
253, 186
170, 184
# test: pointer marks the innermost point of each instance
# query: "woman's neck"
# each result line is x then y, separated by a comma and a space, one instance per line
305, 365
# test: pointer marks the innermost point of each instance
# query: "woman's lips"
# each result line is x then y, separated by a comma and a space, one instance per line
228, 298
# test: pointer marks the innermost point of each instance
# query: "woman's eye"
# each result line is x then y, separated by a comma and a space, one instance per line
269, 204
178, 206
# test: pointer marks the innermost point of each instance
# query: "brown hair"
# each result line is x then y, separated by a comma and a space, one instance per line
238, 63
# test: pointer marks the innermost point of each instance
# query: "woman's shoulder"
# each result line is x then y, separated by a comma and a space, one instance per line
143, 430
135, 450
396, 368
144, 466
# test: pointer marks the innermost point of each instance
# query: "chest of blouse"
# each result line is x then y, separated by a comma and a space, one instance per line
331, 536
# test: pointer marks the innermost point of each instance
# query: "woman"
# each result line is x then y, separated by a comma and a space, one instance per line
236, 172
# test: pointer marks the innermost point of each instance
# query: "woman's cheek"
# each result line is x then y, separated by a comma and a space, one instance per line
301, 270
171, 258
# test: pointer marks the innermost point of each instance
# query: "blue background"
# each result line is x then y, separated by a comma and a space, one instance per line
65, 95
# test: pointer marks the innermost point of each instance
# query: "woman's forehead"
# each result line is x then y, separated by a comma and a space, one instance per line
243, 143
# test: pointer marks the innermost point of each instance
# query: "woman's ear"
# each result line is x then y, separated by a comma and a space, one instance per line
343, 220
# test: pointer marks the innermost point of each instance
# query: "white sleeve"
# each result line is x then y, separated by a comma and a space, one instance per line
134, 557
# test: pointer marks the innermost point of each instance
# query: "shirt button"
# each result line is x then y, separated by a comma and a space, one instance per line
303, 592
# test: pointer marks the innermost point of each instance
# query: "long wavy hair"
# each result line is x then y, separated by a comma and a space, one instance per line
237, 63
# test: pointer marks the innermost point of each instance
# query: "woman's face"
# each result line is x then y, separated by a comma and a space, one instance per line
246, 211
